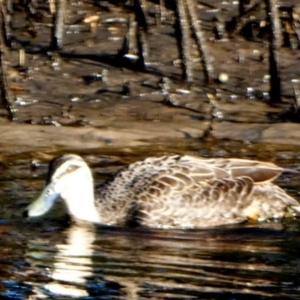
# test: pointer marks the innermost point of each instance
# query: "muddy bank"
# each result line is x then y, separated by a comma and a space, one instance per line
119, 81
122, 137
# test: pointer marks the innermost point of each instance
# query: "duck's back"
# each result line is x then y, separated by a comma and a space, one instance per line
184, 191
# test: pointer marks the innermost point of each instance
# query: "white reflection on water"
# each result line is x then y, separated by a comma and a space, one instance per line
72, 262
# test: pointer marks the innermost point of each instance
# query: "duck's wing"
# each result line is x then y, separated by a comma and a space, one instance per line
192, 171
259, 171
205, 168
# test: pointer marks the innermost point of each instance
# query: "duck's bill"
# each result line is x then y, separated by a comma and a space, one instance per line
43, 204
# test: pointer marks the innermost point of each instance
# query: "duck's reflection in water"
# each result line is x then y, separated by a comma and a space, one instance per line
70, 267
115, 263
71, 261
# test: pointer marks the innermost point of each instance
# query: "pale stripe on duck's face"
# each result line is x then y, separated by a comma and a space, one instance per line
63, 165
62, 175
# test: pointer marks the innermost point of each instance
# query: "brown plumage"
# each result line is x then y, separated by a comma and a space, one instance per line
170, 191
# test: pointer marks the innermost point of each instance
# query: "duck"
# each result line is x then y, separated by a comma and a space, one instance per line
170, 191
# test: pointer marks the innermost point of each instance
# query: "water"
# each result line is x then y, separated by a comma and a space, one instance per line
51, 259
240, 262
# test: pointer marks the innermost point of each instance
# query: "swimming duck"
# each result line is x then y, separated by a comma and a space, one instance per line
168, 192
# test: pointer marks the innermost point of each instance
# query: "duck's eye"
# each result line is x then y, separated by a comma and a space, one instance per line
71, 168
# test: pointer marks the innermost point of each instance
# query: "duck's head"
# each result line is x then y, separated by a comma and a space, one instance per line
70, 179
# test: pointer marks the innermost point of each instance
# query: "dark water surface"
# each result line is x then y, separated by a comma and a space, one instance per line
50, 259
241, 262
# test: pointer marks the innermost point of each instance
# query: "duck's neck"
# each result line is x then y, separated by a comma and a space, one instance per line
80, 203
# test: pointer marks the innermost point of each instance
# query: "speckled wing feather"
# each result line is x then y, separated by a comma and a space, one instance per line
175, 197
219, 168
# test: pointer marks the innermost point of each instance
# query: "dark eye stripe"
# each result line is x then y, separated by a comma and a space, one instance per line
57, 162
69, 170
